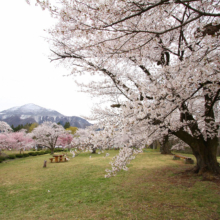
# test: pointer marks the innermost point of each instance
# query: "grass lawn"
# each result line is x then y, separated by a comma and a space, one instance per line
155, 187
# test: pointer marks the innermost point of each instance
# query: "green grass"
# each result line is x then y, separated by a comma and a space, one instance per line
155, 187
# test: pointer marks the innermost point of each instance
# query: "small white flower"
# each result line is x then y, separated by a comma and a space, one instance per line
48, 190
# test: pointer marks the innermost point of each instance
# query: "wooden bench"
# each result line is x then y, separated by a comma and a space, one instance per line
187, 160
51, 159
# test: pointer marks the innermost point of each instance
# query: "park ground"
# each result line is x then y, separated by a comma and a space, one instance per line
155, 187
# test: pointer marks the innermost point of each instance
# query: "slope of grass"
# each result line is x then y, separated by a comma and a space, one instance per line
155, 187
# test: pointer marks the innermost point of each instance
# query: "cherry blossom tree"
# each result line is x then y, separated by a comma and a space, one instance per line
3, 142
65, 140
160, 67
47, 134
20, 140
4, 127
15, 140
4, 130
83, 140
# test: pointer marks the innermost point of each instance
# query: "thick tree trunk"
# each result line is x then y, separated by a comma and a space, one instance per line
218, 151
204, 151
164, 145
203, 143
218, 148
52, 150
93, 150
206, 156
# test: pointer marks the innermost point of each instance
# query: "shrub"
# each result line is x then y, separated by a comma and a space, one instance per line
40, 153
12, 156
19, 155
31, 153
34, 154
48, 151
26, 155
58, 149
2, 158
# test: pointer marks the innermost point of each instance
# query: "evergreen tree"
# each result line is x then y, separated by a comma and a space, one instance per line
67, 125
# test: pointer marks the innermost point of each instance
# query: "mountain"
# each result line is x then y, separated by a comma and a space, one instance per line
31, 113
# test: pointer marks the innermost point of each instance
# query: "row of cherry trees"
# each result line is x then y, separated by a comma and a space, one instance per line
159, 65
47, 134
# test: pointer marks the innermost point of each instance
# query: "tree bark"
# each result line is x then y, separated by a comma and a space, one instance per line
93, 150
164, 145
52, 150
205, 152
218, 151
206, 156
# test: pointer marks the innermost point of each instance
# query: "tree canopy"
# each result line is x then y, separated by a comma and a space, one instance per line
47, 134
160, 67
72, 129
67, 125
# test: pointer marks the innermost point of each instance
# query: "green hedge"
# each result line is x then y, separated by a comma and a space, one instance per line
30, 153
58, 149
2, 158
12, 156
40, 153
19, 155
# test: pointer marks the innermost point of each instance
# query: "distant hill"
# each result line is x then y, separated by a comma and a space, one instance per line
31, 113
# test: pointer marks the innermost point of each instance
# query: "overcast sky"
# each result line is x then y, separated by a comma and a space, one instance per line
26, 74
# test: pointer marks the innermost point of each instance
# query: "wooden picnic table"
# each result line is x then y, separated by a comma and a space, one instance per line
58, 158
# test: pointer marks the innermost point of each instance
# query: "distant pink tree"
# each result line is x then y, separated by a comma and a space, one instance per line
15, 140
4, 138
65, 140
20, 140
4, 142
